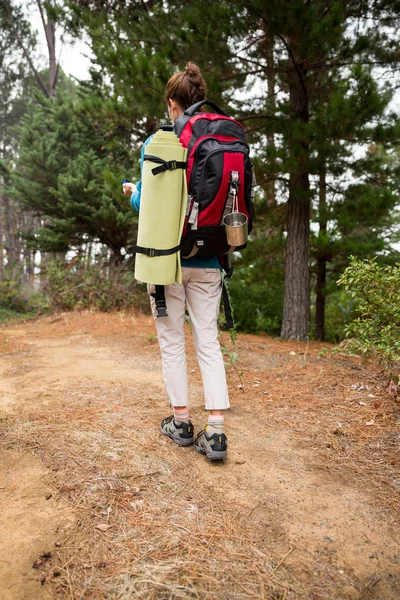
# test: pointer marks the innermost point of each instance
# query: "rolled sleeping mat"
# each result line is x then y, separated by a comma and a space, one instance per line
163, 205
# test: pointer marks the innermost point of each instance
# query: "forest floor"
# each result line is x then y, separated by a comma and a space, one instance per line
95, 503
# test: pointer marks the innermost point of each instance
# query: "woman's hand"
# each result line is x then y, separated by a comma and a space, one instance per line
128, 188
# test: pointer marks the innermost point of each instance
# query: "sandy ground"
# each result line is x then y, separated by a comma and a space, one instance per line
312, 479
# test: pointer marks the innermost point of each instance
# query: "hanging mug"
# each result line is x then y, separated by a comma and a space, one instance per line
236, 225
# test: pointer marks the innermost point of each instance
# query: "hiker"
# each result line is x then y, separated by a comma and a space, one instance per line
200, 292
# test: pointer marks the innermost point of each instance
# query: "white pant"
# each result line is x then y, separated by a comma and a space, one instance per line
200, 291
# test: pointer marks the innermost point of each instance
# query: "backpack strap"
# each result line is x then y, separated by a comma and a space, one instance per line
227, 307
154, 252
225, 262
166, 165
159, 297
196, 108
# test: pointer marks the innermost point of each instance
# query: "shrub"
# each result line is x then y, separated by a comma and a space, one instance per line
11, 297
376, 331
17, 294
340, 309
76, 285
256, 307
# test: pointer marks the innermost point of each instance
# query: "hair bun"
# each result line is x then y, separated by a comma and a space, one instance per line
193, 73
186, 87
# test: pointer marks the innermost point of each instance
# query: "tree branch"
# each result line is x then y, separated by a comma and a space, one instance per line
26, 53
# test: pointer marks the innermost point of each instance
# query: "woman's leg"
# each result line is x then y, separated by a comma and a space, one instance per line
171, 337
203, 297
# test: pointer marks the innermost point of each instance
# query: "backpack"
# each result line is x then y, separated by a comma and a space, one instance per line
220, 179
219, 176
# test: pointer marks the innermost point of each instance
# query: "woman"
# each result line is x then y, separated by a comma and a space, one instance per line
200, 293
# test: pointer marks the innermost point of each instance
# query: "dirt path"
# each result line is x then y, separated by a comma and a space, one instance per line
306, 506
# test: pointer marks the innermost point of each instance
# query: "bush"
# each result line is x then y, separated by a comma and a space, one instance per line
340, 309
17, 295
377, 329
11, 295
256, 307
75, 285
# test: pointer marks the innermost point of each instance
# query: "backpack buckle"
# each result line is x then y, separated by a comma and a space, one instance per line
161, 311
171, 165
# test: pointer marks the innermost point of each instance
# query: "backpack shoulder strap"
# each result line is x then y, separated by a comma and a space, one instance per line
196, 107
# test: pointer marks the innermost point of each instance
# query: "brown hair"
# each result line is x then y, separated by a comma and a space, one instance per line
186, 87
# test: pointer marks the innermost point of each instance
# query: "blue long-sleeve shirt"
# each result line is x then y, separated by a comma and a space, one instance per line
199, 263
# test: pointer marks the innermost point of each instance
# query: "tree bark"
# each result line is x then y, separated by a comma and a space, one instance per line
296, 304
11, 245
320, 298
1, 238
271, 108
49, 27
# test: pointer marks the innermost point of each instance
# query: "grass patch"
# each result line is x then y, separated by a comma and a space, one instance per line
7, 315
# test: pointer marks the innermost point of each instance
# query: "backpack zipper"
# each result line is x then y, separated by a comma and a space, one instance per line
212, 153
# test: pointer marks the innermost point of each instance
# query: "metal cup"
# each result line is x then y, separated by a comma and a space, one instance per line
236, 228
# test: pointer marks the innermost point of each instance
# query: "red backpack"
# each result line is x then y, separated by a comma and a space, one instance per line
218, 168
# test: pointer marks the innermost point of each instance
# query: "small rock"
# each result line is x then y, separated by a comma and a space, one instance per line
240, 461
48, 496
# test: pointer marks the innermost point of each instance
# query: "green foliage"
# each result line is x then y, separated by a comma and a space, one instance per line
7, 315
377, 289
257, 285
64, 175
256, 308
340, 309
75, 285
11, 297
18, 299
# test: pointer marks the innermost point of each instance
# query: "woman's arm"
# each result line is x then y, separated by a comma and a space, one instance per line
132, 190
135, 196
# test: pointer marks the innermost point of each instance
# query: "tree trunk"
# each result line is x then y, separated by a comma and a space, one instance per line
1, 239
49, 27
12, 254
321, 263
271, 109
297, 299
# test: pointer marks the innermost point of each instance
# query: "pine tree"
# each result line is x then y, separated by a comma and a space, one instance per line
63, 175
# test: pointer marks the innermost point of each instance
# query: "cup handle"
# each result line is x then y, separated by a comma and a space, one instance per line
235, 204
